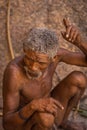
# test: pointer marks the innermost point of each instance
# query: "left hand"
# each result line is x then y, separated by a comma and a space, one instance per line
72, 34
49, 105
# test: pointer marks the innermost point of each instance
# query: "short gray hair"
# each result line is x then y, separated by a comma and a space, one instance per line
42, 40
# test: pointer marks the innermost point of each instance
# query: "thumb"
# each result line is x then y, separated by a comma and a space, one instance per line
63, 34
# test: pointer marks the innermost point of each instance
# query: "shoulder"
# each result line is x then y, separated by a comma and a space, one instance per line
12, 69
14, 66
12, 74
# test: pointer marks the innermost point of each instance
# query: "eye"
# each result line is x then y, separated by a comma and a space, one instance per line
42, 63
29, 59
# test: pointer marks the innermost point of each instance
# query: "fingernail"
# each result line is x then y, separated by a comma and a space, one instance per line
62, 108
69, 39
67, 35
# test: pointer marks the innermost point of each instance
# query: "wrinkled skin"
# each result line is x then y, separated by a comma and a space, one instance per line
29, 101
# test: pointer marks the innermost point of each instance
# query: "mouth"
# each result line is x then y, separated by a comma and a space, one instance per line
33, 74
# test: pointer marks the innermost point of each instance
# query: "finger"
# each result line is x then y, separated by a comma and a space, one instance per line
66, 22
51, 105
58, 104
72, 33
51, 110
55, 106
75, 36
68, 30
41, 109
54, 112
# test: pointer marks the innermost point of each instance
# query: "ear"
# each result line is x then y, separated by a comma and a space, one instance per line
23, 48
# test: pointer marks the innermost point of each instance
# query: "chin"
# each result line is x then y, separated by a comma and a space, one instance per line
35, 73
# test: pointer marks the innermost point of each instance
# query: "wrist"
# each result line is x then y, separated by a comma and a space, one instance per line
81, 43
26, 112
20, 113
32, 105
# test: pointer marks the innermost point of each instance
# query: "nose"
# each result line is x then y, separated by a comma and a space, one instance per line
34, 66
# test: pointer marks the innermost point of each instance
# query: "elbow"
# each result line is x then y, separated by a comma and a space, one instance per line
7, 125
10, 122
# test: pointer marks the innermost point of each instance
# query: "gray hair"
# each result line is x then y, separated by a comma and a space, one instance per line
42, 40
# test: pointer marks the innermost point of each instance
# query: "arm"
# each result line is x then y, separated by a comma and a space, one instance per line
11, 99
73, 58
73, 35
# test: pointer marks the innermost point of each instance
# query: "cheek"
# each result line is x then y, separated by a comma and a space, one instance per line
26, 62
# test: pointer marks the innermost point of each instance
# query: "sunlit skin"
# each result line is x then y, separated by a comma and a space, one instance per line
36, 62
29, 102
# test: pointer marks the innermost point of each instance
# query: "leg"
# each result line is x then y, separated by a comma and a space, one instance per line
40, 121
44, 121
68, 92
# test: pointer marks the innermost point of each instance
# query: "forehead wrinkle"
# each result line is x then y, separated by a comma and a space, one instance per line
30, 54
40, 57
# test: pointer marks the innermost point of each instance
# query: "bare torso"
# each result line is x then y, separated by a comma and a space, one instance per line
33, 88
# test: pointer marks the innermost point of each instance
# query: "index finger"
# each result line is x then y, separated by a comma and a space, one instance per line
66, 22
58, 104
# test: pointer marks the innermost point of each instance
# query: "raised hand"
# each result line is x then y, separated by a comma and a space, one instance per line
46, 105
72, 33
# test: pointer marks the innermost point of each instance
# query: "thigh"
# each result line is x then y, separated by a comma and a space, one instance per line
39, 119
42, 119
66, 88
63, 92
29, 124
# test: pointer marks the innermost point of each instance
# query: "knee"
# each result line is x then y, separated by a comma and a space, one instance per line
79, 79
46, 120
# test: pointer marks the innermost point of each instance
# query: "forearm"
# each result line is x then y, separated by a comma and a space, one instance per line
83, 47
19, 117
73, 58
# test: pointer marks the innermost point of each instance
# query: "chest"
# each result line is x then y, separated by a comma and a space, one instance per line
36, 89
33, 89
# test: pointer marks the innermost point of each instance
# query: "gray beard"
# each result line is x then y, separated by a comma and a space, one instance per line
31, 74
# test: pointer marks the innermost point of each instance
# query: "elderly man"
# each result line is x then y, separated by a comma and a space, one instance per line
29, 101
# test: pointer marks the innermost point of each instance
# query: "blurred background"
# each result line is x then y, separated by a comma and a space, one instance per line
25, 14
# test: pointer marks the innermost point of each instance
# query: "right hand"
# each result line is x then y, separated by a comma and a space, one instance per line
46, 105
72, 33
